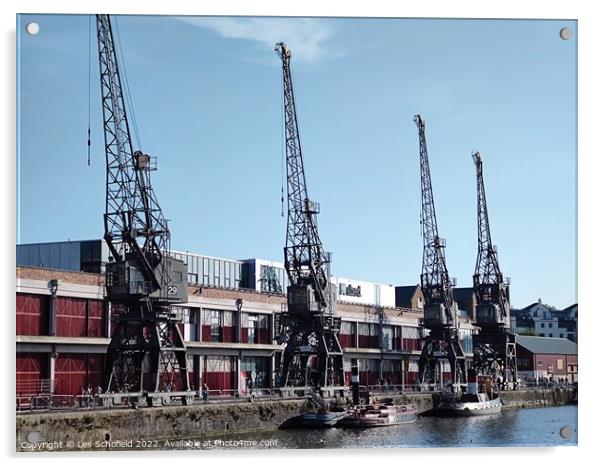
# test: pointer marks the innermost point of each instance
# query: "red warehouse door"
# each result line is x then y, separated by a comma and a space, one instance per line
32, 369
95, 370
70, 374
96, 321
32, 314
70, 317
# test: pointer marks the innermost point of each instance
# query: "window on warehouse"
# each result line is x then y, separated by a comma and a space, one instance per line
368, 371
263, 329
255, 328
227, 324
206, 279
218, 374
410, 338
255, 372
216, 325
193, 324
387, 338
211, 325
216, 272
251, 328
374, 343
397, 337
347, 370
363, 331
347, 335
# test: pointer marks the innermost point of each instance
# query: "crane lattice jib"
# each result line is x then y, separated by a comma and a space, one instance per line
435, 281
305, 260
487, 270
131, 211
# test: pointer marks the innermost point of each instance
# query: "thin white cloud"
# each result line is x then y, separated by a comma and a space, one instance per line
305, 37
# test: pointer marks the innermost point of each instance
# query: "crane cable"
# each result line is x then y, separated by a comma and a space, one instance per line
128, 100
89, 80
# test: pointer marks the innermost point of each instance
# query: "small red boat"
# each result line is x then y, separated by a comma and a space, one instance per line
378, 415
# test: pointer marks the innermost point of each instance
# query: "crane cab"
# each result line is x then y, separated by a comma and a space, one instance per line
436, 317
302, 300
126, 280
489, 315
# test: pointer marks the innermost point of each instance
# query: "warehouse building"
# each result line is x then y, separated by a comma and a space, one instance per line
64, 324
546, 358
251, 274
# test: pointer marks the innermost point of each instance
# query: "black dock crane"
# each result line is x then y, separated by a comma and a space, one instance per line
146, 358
309, 327
494, 345
440, 310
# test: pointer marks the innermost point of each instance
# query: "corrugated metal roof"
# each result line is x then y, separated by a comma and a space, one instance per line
547, 345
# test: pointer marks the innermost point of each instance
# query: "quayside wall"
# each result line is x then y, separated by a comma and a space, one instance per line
70, 429
538, 398
171, 422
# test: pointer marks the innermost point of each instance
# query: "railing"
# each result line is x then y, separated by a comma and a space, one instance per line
34, 387
248, 394
45, 402
402, 389
534, 384
220, 395
422, 388
94, 401
48, 402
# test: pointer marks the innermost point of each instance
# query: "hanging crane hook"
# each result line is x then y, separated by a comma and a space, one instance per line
282, 201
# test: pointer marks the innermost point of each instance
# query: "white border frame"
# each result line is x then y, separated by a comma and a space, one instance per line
589, 79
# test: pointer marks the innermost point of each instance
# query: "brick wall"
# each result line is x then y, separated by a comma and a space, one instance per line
78, 278
93, 279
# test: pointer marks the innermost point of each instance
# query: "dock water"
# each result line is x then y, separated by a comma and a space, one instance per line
181, 422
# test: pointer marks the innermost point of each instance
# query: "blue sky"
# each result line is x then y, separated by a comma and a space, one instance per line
207, 99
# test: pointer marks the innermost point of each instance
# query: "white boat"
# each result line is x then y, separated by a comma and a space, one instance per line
479, 400
470, 405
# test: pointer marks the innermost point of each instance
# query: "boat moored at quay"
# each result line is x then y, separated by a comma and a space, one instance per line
480, 399
378, 416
